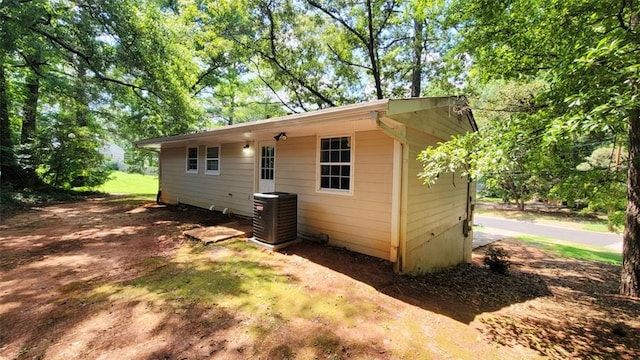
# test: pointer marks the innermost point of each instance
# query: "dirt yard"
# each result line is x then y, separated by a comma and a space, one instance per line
113, 278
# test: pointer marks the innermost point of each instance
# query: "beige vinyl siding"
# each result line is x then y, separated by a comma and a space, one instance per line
232, 188
434, 214
360, 221
427, 222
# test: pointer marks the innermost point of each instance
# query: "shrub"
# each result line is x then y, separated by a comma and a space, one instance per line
112, 166
615, 220
497, 260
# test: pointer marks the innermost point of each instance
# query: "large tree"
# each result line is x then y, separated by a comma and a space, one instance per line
587, 52
71, 70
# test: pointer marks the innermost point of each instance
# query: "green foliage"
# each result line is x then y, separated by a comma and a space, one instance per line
69, 157
111, 166
582, 49
599, 182
542, 124
139, 161
509, 151
457, 153
127, 68
497, 260
616, 220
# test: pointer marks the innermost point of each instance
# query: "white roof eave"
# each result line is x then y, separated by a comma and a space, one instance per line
248, 131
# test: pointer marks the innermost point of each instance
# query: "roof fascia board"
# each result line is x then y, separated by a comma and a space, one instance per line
337, 114
401, 106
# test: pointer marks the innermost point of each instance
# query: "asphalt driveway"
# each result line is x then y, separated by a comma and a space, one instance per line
489, 229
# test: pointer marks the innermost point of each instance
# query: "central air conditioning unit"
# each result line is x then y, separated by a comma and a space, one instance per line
275, 217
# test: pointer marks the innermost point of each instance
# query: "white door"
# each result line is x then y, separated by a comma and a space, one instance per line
267, 171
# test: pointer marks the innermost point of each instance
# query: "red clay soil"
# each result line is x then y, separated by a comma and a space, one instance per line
52, 255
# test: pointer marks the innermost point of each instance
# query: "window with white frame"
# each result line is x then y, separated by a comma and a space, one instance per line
213, 160
192, 159
335, 163
267, 163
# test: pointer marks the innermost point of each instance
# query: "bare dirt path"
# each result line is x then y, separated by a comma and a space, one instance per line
114, 278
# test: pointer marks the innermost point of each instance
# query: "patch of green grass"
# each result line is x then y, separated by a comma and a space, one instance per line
599, 226
494, 200
239, 278
574, 251
143, 186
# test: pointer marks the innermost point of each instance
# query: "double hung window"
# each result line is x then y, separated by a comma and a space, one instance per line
192, 159
213, 160
336, 163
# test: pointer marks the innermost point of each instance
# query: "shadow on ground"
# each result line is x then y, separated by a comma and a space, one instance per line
461, 292
560, 308
53, 258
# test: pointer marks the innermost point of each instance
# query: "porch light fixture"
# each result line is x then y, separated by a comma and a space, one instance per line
245, 147
282, 136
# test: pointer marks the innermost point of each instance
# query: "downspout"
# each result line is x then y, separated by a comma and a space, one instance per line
403, 189
466, 227
396, 205
159, 195
398, 191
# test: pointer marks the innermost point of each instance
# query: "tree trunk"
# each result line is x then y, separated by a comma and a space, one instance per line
232, 106
30, 109
416, 71
515, 193
8, 165
372, 48
522, 196
29, 113
630, 277
10, 172
82, 101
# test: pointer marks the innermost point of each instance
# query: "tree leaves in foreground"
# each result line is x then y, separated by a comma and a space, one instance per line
587, 52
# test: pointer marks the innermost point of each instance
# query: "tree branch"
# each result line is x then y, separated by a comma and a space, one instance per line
264, 81
87, 60
30, 63
394, 41
620, 15
341, 59
201, 78
389, 11
338, 19
274, 60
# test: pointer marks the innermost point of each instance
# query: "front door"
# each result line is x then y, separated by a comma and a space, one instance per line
267, 172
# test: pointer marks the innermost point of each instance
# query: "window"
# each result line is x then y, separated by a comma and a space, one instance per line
192, 159
335, 163
267, 163
213, 160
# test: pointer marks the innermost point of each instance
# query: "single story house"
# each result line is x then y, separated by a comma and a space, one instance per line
353, 168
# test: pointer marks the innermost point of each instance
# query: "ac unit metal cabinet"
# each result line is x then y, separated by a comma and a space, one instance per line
275, 217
